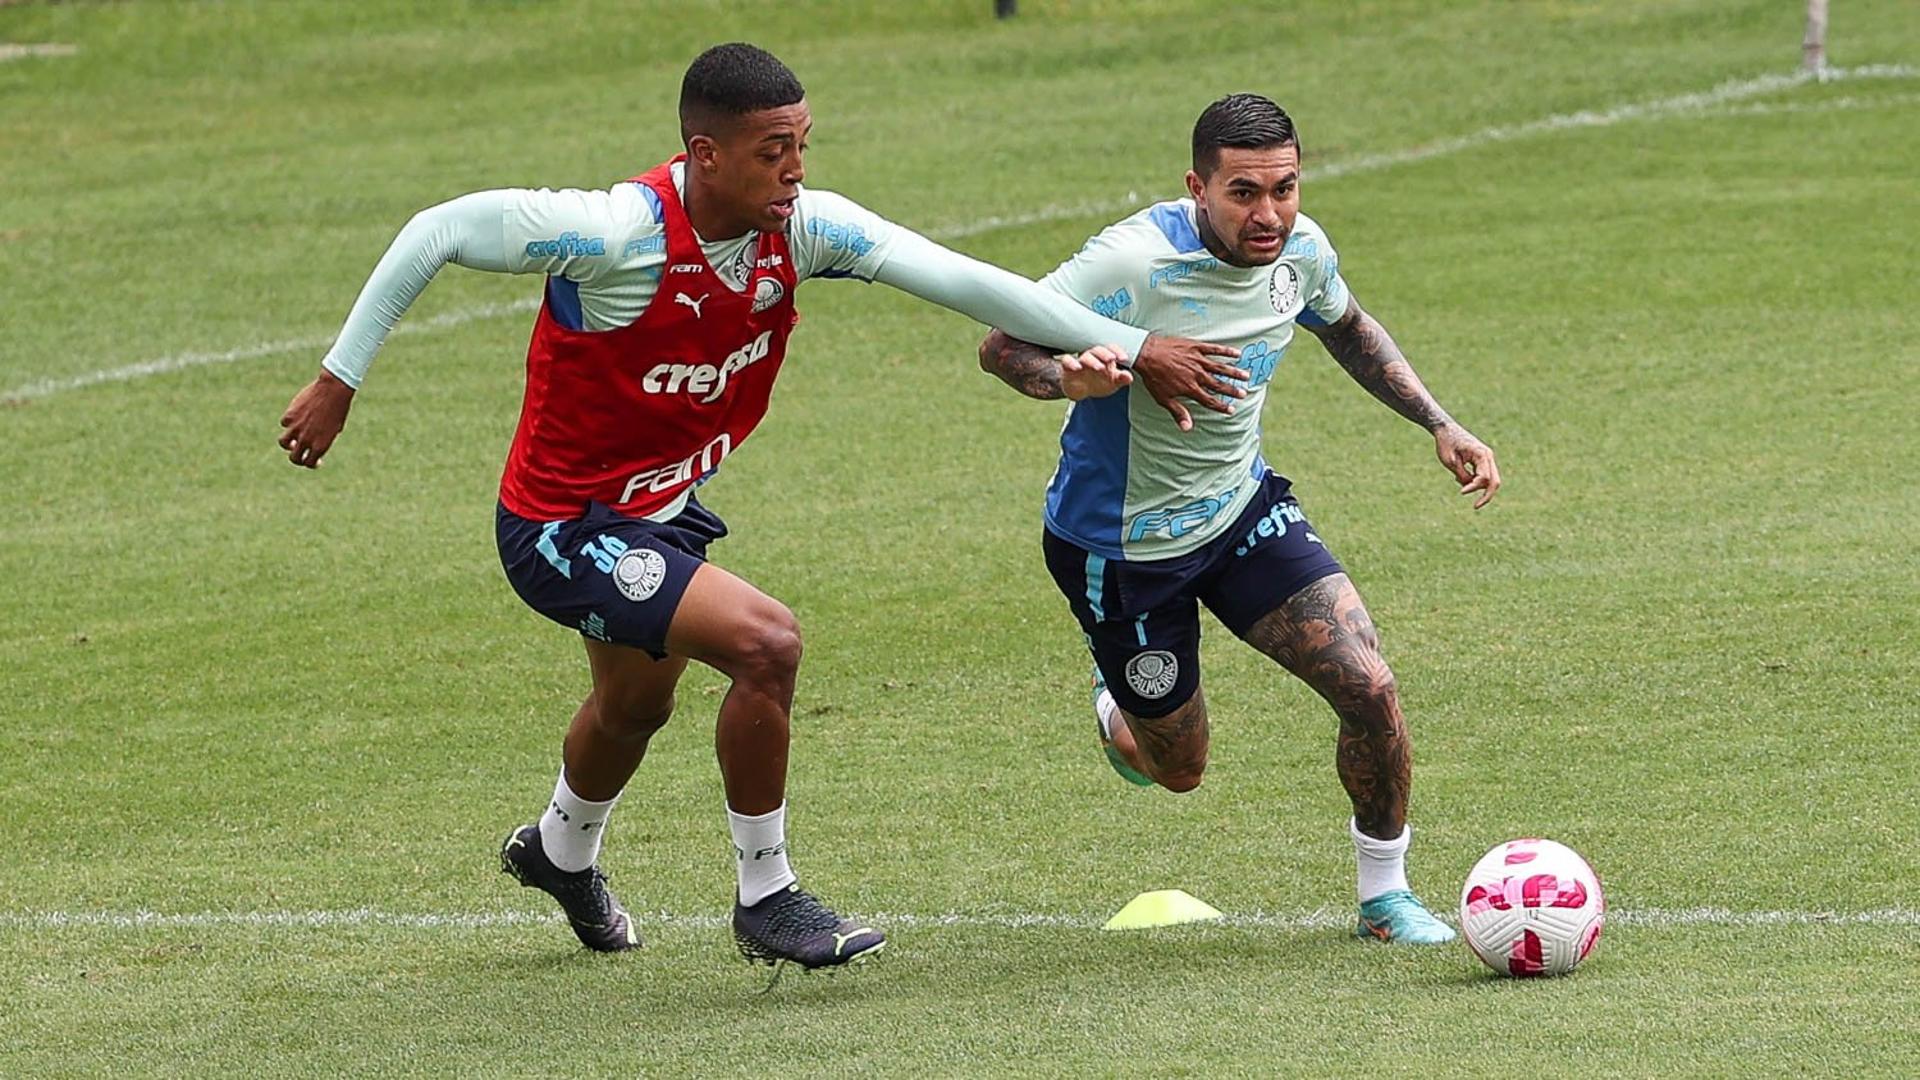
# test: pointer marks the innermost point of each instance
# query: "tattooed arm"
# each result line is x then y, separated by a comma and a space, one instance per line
1039, 372
1031, 369
1363, 347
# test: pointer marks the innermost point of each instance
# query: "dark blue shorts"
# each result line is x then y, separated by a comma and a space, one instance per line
1142, 619
612, 578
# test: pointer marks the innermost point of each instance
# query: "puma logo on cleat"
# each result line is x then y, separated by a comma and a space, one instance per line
683, 298
508, 864
840, 940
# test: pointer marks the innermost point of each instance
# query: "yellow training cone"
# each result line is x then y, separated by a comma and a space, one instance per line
1162, 907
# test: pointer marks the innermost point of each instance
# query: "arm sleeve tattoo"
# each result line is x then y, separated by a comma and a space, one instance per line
1031, 369
1364, 348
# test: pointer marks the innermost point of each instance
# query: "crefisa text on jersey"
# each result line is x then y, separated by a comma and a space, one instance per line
707, 379
567, 245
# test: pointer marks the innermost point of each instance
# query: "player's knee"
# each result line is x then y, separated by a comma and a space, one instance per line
1383, 691
1353, 675
769, 646
634, 718
1175, 746
1184, 768
1181, 779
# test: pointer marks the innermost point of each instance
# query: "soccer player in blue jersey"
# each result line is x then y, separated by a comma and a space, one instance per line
1155, 510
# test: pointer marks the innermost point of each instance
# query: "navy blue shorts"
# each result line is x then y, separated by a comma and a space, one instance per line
611, 577
1142, 619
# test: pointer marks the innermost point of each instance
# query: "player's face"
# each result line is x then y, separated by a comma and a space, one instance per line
754, 166
1249, 202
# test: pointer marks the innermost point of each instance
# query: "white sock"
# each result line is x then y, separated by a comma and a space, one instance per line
760, 853
1383, 863
571, 829
1107, 710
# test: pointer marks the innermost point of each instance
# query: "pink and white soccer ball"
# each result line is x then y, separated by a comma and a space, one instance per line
1532, 907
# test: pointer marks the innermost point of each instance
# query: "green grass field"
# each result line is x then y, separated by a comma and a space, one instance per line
292, 714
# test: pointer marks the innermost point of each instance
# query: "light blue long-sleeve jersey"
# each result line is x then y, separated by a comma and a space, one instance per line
603, 253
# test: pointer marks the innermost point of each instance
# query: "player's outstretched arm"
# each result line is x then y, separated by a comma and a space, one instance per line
1173, 367
1363, 347
1039, 372
465, 231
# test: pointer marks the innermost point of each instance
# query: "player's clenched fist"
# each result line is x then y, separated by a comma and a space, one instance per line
314, 419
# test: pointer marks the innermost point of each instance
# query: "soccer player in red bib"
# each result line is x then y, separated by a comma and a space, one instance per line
669, 300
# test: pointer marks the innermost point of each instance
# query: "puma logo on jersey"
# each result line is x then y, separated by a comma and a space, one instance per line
683, 298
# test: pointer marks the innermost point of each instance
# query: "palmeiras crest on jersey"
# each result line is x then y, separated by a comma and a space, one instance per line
639, 573
766, 293
1152, 674
1283, 288
741, 267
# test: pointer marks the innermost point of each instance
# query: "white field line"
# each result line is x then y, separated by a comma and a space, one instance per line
997, 222
19, 51
1783, 108
1698, 102
315, 345
1322, 919
1705, 102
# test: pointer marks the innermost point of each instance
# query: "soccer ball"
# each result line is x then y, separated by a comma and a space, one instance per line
1532, 907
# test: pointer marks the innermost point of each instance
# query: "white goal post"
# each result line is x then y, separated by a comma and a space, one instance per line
1813, 47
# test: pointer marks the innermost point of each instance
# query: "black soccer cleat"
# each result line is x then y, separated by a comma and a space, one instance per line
597, 918
794, 925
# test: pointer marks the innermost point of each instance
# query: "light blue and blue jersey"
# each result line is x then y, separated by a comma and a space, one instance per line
1131, 485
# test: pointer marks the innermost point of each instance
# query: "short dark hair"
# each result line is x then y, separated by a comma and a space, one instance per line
1243, 121
732, 80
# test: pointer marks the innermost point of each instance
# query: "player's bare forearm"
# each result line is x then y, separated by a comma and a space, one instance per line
1031, 369
1364, 348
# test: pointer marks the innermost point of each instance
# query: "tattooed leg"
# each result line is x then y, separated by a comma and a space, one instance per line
1323, 635
1171, 749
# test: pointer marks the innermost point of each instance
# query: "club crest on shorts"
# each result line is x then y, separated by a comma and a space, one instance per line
1152, 674
1283, 288
766, 293
638, 573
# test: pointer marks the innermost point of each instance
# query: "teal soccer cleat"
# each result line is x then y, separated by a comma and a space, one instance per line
1126, 771
1399, 916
